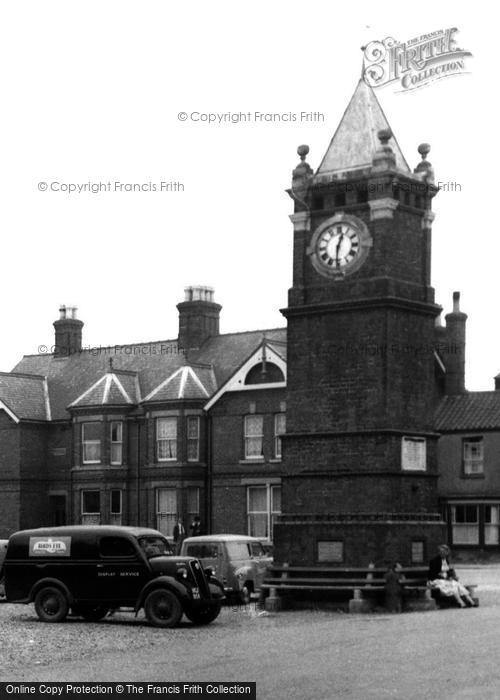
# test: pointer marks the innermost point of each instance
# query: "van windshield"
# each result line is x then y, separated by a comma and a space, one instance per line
154, 546
238, 550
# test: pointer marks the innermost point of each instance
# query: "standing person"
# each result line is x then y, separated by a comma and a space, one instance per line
195, 526
394, 588
179, 535
443, 578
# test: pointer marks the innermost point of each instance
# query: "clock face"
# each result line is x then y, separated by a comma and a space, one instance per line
339, 246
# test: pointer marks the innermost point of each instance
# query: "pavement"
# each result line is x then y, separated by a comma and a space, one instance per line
307, 655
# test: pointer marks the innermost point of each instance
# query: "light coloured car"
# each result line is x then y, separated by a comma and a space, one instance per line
238, 561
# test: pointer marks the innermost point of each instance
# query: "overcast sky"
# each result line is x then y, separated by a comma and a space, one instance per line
92, 91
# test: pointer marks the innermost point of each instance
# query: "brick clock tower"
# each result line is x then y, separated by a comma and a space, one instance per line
360, 461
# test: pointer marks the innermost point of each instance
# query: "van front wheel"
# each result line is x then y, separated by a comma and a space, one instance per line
51, 604
163, 608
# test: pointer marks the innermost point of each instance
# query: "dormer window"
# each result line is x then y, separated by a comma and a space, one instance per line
91, 443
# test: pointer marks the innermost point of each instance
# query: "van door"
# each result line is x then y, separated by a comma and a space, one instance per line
121, 570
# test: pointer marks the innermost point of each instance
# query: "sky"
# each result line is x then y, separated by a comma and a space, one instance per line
92, 92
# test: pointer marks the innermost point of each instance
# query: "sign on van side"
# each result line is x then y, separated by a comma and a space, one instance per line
49, 546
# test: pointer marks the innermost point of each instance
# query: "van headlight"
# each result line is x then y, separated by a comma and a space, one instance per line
182, 572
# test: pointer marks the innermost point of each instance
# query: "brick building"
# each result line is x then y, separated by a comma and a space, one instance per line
351, 428
146, 433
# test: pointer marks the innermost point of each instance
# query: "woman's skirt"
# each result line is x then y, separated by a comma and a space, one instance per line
448, 587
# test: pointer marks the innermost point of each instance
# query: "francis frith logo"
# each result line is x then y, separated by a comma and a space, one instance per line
413, 63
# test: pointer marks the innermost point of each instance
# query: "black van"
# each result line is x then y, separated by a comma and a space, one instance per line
93, 569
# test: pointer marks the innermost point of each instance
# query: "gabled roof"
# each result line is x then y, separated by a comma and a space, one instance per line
355, 140
24, 396
140, 369
184, 383
474, 410
236, 382
109, 390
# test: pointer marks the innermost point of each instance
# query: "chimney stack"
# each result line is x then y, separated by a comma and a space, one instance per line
198, 317
454, 355
68, 332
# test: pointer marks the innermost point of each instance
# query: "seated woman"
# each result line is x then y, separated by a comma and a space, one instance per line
443, 578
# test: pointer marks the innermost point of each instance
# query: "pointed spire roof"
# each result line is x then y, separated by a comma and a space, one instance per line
355, 140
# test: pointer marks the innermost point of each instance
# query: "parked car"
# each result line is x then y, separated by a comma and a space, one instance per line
93, 569
3, 550
239, 561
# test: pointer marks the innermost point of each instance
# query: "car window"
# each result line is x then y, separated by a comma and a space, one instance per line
238, 550
203, 550
116, 547
257, 549
153, 546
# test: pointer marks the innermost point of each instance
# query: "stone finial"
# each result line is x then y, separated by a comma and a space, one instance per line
384, 135
424, 169
303, 171
303, 151
384, 158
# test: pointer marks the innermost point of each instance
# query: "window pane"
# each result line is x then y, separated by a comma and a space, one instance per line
167, 428
91, 431
193, 426
116, 547
417, 552
91, 502
193, 500
253, 425
253, 447
91, 451
116, 454
465, 523
280, 421
116, 431
473, 455
116, 501
166, 438
91, 442
193, 432
276, 499
167, 501
491, 523
257, 499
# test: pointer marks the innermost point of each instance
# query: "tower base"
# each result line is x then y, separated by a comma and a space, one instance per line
358, 539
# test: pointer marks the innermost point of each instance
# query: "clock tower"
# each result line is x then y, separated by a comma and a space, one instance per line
359, 456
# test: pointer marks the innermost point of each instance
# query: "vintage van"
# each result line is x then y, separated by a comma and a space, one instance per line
89, 570
239, 561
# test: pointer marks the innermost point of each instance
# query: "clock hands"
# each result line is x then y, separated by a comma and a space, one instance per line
337, 250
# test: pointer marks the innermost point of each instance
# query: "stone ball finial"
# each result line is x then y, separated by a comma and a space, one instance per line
384, 135
424, 149
303, 151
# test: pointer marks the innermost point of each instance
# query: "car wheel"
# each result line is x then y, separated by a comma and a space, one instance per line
51, 605
163, 608
92, 613
204, 614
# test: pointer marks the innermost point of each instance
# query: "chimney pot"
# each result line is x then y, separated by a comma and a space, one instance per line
198, 316
68, 332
